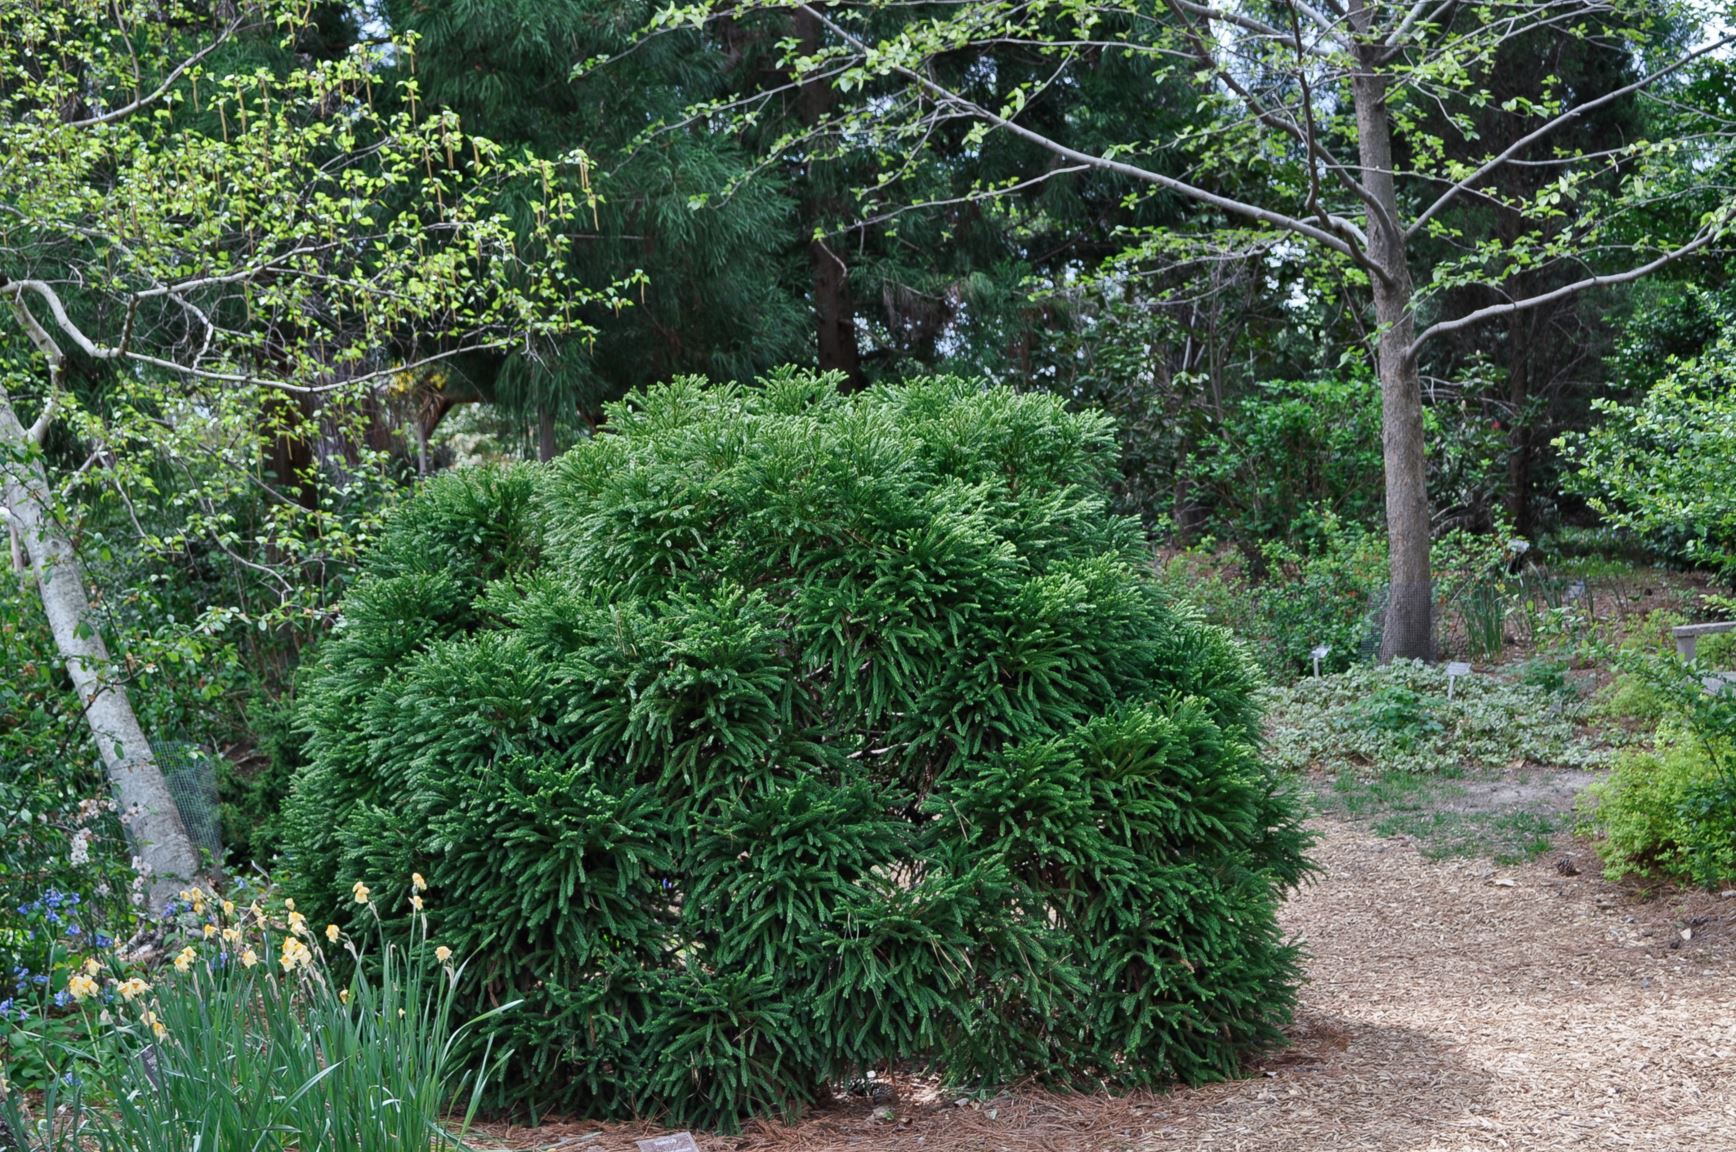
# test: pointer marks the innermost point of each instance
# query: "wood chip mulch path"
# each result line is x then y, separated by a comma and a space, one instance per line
1452, 1005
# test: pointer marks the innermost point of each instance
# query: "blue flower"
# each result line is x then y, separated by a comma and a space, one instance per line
61, 999
103, 941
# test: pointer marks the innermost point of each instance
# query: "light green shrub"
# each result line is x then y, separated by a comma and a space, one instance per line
1670, 809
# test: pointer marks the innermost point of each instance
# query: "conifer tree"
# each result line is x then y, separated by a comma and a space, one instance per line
773, 734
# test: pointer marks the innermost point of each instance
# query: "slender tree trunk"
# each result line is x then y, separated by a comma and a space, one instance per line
1409, 630
1519, 329
834, 309
546, 448
153, 824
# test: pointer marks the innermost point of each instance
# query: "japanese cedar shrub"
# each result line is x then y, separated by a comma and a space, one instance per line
773, 735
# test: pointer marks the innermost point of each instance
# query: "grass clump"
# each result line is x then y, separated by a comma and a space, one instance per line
258, 1033
774, 735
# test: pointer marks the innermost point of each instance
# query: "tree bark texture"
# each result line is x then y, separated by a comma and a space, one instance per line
153, 823
1409, 624
834, 309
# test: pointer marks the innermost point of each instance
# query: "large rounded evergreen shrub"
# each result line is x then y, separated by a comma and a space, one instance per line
774, 735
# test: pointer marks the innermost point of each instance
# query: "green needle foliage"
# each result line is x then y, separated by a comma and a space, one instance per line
775, 735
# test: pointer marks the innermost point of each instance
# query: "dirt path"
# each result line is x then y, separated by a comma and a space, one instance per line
1448, 1010
1452, 1006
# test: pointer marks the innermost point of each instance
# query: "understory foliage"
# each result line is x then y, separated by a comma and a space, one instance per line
1665, 467
1399, 716
1670, 809
58, 840
774, 735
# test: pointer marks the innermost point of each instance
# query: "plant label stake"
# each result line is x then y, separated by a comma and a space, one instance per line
1319, 654
1455, 670
678, 1142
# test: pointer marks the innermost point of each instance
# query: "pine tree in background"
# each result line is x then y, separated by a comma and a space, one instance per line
776, 734
714, 299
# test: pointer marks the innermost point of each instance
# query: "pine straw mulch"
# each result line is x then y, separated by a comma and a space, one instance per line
1451, 1005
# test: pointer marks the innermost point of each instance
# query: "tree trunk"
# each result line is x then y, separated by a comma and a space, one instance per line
1519, 329
290, 461
546, 448
153, 824
1409, 629
834, 309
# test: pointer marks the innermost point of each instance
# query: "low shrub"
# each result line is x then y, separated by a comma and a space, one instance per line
774, 735
1670, 809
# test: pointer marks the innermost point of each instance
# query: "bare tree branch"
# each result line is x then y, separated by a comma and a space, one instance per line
1567, 117
68, 327
1702, 239
1103, 163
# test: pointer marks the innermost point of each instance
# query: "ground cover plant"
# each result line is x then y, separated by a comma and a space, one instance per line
775, 735
1490, 770
1400, 716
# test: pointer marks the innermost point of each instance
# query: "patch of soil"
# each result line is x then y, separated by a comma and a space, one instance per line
1553, 792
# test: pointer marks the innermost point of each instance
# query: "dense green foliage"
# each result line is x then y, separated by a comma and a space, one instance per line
1669, 809
1666, 466
774, 735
